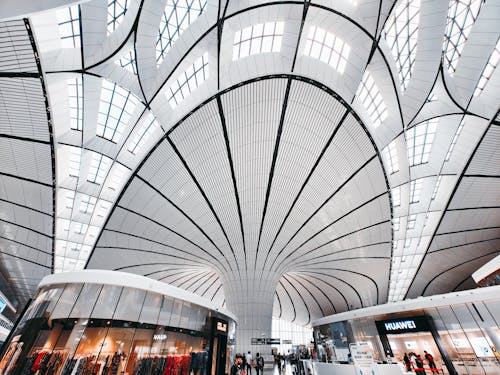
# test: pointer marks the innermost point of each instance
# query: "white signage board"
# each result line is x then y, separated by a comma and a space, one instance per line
362, 356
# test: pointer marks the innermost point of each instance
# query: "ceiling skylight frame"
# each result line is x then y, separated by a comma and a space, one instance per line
177, 16
144, 132
116, 13
461, 17
455, 140
420, 139
68, 22
401, 35
115, 109
396, 196
391, 157
371, 98
324, 46
76, 103
488, 69
188, 81
99, 168
436, 188
412, 221
260, 38
416, 190
128, 62
87, 204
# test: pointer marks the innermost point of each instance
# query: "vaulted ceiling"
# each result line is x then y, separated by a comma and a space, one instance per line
351, 151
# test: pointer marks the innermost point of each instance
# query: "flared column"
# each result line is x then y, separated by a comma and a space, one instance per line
251, 300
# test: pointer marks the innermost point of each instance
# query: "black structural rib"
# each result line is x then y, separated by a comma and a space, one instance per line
353, 272
463, 244
233, 175
132, 249
337, 279
206, 282
279, 302
291, 300
181, 211
306, 181
147, 265
442, 273
174, 232
273, 165
320, 207
26, 245
286, 276
155, 242
452, 195
25, 207
302, 299
305, 263
51, 134
193, 280
297, 276
289, 259
209, 203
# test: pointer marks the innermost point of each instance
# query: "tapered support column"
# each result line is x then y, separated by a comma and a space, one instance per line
251, 299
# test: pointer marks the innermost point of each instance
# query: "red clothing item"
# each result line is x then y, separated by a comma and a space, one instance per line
170, 364
36, 364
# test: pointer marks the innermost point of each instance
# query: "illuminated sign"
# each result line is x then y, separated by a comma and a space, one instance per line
159, 336
396, 326
403, 325
221, 327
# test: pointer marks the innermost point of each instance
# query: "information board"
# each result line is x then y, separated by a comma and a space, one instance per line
362, 356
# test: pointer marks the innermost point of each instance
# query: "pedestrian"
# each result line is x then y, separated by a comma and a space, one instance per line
235, 368
419, 364
249, 360
430, 361
407, 362
259, 364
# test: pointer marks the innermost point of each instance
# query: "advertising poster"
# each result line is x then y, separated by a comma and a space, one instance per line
362, 356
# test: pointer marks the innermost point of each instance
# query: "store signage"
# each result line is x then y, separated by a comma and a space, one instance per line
272, 341
396, 326
362, 356
258, 341
286, 342
221, 327
403, 325
159, 336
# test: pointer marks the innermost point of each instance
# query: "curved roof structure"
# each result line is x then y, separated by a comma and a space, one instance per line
337, 156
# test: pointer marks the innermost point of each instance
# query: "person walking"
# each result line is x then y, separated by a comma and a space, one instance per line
259, 364
407, 362
236, 367
249, 359
430, 361
419, 364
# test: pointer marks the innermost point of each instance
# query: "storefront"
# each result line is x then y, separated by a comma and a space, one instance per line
108, 323
460, 331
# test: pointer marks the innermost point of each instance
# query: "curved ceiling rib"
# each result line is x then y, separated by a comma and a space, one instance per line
290, 159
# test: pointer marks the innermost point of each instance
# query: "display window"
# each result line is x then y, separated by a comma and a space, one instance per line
72, 330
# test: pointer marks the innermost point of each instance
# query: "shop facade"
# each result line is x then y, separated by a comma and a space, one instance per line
459, 330
109, 323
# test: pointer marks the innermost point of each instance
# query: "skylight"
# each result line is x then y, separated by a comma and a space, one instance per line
391, 157
68, 20
488, 70
419, 141
396, 196
401, 34
188, 81
177, 17
69, 198
461, 16
260, 38
99, 167
371, 98
75, 96
454, 141
146, 128
128, 62
87, 204
412, 220
436, 188
415, 190
75, 159
115, 108
328, 48
396, 223
116, 12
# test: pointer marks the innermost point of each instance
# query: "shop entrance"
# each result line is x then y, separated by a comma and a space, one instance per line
415, 335
417, 343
